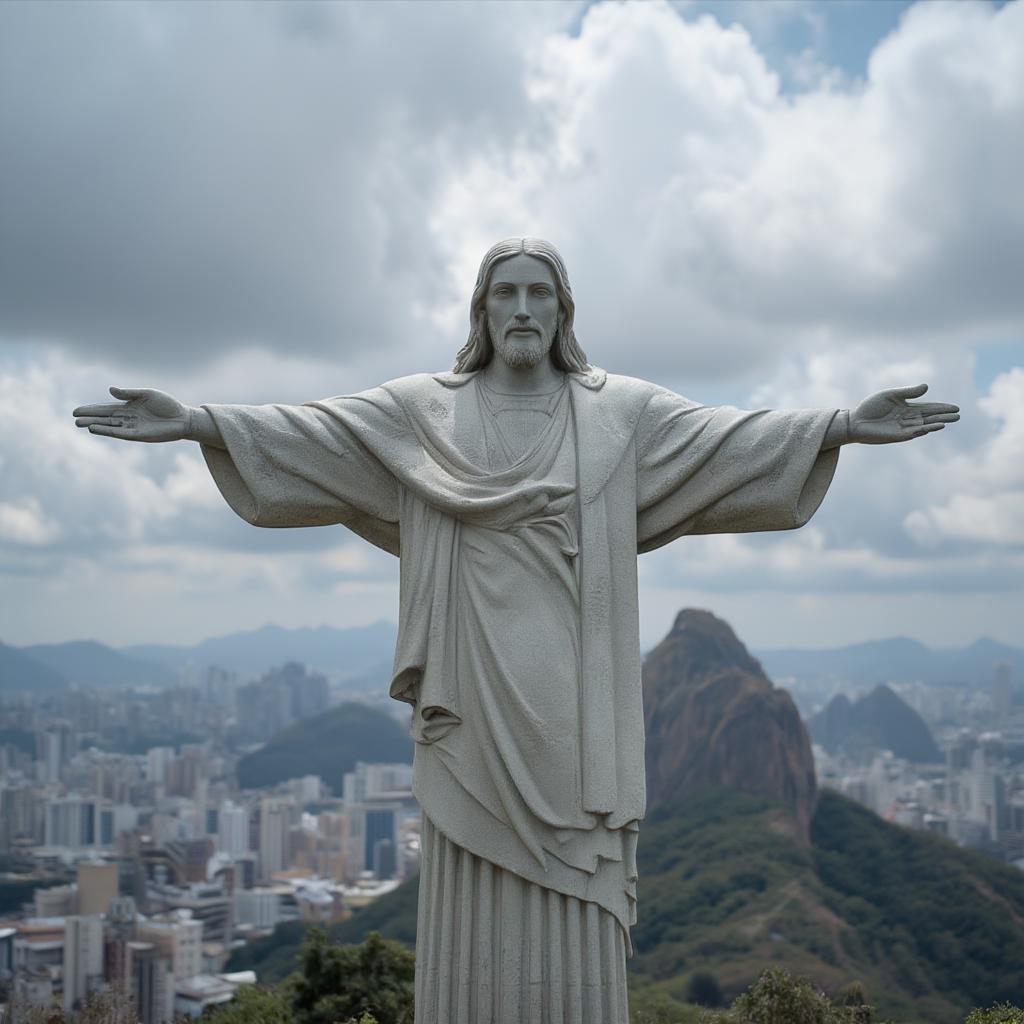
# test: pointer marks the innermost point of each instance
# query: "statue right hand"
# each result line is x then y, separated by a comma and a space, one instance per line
142, 415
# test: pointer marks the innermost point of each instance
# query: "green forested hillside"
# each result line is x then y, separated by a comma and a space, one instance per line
940, 918
725, 887
327, 745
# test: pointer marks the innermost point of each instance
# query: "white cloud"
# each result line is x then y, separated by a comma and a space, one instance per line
711, 220
23, 522
986, 486
302, 213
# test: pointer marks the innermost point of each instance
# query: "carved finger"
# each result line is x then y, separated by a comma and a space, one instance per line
98, 410
88, 421
929, 408
107, 431
126, 394
942, 417
915, 391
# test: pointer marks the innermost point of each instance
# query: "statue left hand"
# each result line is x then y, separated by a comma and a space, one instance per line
887, 416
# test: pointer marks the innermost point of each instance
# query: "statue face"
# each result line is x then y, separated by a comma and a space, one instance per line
522, 310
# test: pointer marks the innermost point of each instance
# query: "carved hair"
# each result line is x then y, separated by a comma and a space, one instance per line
478, 351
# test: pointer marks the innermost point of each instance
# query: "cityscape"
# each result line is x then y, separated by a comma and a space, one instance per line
142, 869
140, 865
973, 792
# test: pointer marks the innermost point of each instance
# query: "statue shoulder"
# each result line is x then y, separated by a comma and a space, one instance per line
628, 391
414, 383
423, 387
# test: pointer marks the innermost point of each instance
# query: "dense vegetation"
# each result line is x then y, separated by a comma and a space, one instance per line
373, 982
327, 745
928, 929
945, 919
376, 979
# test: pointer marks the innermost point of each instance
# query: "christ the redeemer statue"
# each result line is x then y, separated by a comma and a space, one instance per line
517, 490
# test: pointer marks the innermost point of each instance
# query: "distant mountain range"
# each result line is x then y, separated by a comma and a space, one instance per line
879, 720
899, 660
19, 671
350, 652
362, 656
88, 663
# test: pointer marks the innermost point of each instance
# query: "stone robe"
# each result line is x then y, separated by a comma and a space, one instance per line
518, 644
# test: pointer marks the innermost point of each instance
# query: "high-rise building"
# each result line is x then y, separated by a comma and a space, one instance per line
157, 761
106, 825
206, 902
246, 870
275, 826
56, 747
83, 958
986, 792
55, 901
233, 829
120, 930
97, 886
179, 938
22, 815
1002, 693
373, 840
258, 908
376, 782
71, 822
150, 982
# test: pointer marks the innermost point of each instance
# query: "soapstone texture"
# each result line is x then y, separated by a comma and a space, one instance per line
517, 492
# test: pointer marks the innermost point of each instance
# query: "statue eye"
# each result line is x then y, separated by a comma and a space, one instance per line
542, 290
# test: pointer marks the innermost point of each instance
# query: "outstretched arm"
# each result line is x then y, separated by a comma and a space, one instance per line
147, 415
887, 417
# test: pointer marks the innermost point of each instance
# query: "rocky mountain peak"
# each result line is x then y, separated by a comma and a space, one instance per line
714, 718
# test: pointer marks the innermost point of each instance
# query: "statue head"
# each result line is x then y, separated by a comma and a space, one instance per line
478, 351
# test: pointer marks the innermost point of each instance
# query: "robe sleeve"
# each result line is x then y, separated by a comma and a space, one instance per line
703, 469
308, 465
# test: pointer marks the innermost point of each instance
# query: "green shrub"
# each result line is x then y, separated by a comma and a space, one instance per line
1003, 1013
336, 983
704, 990
777, 998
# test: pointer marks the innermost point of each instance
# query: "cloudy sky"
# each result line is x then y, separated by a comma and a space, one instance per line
760, 204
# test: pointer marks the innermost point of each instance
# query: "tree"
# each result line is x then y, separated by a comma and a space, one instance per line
704, 990
1003, 1013
778, 998
337, 983
254, 1005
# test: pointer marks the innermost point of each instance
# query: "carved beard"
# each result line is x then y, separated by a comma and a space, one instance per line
519, 353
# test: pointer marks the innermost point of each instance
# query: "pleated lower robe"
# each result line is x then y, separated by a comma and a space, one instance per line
496, 949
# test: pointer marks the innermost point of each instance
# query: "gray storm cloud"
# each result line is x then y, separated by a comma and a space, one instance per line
180, 179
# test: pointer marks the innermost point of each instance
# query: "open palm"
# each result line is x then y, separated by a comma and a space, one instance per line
142, 415
888, 416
